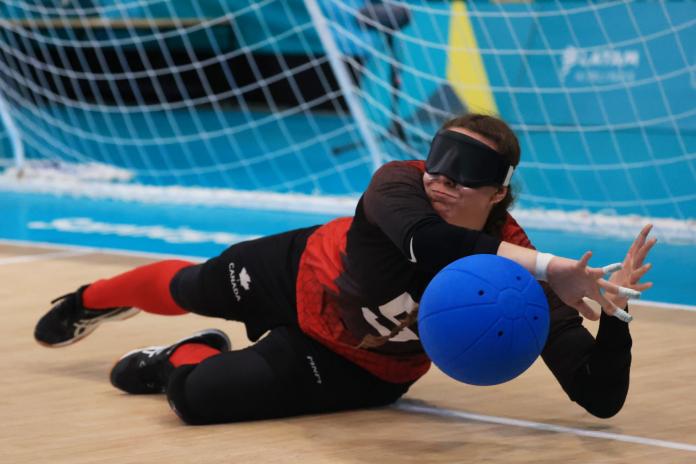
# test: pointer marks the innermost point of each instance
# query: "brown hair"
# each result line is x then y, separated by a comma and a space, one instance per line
505, 140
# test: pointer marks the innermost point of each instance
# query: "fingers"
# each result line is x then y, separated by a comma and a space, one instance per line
608, 269
623, 292
623, 315
643, 252
638, 245
642, 287
611, 309
616, 312
608, 286
642, 237
641, 245
645, 231
586, 311
595, 273
640, 272
585, 259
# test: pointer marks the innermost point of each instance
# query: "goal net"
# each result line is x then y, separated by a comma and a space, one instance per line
294, 103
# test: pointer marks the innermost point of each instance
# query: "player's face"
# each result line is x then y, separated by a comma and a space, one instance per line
459, 205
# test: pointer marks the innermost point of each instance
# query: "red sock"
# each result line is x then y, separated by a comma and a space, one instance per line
145, 287
192, 353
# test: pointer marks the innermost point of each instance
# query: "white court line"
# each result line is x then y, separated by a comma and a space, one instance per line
44, 256
660, 305
143, 254
111, 251
408, 407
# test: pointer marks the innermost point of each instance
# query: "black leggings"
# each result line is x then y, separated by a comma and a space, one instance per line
286, 373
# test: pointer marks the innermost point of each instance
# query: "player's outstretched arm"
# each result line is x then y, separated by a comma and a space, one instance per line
572, 280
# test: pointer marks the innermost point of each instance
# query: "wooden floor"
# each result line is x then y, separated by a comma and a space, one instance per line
57, 405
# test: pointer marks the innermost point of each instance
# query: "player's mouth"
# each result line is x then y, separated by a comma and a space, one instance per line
439, 195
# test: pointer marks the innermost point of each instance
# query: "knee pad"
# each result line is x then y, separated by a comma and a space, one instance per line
187, 291
176, 396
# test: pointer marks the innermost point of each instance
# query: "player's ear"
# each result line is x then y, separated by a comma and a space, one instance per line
499, 195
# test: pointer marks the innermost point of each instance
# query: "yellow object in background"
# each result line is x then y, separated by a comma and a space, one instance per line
465, 71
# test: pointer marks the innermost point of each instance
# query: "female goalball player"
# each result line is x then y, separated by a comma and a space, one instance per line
339, 301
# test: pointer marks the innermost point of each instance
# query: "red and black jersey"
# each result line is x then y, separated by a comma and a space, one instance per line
361, 275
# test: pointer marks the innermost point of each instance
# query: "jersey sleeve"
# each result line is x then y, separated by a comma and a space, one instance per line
593, 372
395, 201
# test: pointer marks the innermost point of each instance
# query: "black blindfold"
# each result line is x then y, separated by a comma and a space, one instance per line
467, 161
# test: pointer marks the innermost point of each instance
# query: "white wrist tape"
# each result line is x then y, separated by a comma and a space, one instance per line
542, 264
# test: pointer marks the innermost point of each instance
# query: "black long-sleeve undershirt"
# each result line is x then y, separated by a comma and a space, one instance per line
593, 372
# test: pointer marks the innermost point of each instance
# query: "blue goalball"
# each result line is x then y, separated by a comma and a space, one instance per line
483, 319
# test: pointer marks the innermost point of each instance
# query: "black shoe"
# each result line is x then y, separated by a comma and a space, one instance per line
69, 321
146, 370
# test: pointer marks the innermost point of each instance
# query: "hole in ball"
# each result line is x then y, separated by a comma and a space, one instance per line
480, 292
536, 317
518, 278
500, 334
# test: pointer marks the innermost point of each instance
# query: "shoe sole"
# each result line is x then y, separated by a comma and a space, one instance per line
119, 317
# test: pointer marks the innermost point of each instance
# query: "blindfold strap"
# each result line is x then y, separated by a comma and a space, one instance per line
508, 176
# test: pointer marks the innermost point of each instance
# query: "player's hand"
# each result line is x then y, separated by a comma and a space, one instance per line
632, 268
574, 280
